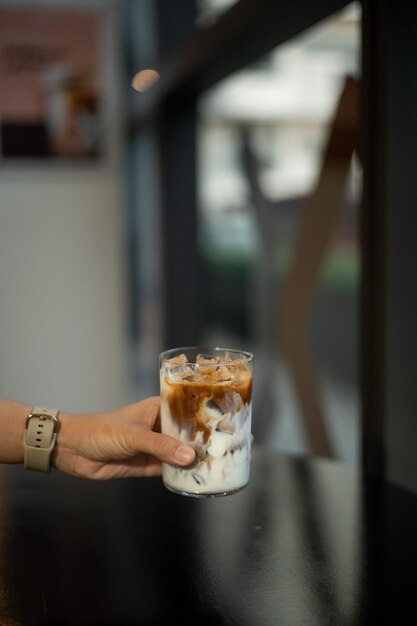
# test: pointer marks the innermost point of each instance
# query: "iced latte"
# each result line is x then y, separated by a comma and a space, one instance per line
206, 403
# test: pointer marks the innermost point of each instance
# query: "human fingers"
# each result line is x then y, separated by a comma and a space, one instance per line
166, 449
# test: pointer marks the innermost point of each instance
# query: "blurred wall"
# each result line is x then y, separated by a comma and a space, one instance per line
62, 273
61, 290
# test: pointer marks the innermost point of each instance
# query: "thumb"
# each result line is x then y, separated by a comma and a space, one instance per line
167, 449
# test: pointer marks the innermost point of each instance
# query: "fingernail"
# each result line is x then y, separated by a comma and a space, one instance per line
184, 454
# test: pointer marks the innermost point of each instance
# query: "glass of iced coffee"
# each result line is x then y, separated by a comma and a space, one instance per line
206, 396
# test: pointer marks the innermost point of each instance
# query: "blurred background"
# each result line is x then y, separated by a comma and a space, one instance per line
216, 207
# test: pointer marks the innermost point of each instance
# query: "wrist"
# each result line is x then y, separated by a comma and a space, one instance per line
12, 425
69, 440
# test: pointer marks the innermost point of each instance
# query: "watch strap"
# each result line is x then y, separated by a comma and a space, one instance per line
40, 438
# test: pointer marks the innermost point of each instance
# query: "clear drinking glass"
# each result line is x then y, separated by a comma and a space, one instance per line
206, 402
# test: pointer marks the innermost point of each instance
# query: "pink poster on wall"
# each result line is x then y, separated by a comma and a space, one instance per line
50, 94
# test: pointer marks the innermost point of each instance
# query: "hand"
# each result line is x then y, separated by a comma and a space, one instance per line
118, 444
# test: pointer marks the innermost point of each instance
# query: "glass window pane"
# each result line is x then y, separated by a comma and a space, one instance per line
283, 109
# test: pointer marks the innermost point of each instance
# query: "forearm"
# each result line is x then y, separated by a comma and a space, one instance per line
12, 425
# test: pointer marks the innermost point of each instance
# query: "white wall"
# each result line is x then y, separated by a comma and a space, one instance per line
62, 295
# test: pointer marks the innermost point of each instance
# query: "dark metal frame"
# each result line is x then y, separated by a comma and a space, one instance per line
373, 237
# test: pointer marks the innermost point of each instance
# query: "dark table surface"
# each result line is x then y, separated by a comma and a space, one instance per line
307, 542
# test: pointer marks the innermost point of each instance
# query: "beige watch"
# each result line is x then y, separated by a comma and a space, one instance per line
39, 438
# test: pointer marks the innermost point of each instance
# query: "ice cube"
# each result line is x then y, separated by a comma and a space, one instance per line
220, 443
210, 413
213, 406
200, 452
204, 359
229, 358
181, 372
206, 373
231, 402
226, 425
215, 374
180, 359
225, 373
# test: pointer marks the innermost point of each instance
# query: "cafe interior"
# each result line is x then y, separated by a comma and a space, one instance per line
235, 173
